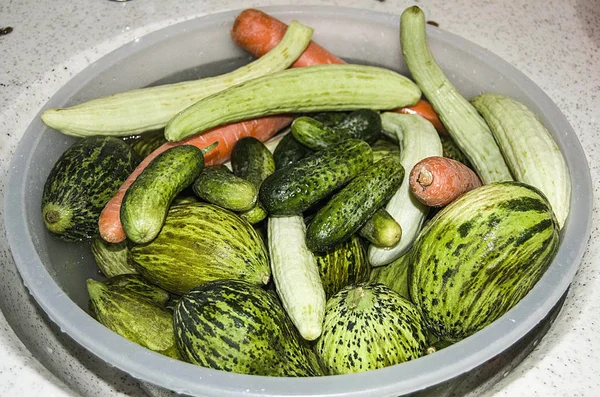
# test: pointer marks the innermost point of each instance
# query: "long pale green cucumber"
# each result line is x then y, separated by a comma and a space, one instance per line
137, 111
308, 89
417, 139
465, 125
532, 155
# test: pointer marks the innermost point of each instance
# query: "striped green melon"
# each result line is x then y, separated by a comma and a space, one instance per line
236, 326
394, 275
201, 242
345, 264
480, 255
369, 326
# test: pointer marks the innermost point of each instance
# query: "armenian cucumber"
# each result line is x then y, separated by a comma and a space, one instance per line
464, 124
381, 229
217, 185
293, 189
137, 111
417, 139
288, 151
297, 90
532, 155
147, 200
352, 206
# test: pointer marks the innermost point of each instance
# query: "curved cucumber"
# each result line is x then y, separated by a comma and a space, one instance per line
316, 88
147, 200
146, 109
418, 139
529, 150
464, 124
352, 206
217, 185
294, 189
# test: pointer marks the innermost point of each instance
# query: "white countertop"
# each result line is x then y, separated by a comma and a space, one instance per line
556, 43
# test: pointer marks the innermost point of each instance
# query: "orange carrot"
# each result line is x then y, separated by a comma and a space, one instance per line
258, 32
436, 181
262, 129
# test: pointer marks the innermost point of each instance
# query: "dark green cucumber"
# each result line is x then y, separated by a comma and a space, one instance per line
330, 119
293, 189
81, 182
111, 258
133, 316
381, 229
369, 326
352, 206
147, 200
362, 124
252, 160
139, 285
217, 185
234, 326
394, 275
343, 265
480, 255
146, 143
289, 151
201, 242
383, 148
315, 134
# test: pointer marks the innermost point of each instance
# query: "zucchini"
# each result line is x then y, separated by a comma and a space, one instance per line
147, 200
111, 258
292, 190
288, 151
352, 206
296, 275
381, 229
418, 139
464, 124
296, 90
532, 155
217, 185
137, 111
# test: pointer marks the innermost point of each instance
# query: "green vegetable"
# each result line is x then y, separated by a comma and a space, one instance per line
293, 189
383, 148
394, 276
315, 135
239, 327
296, 90
217, 185
147, 200
137, 111
451, 151
530, 152
201, 242
111, 258
348, 210
362, 124
139, 285
289, 151
381, 229
81, 182
480, 255
369, 326
464, 124
148, 142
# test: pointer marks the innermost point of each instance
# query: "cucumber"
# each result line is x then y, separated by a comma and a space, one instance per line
466, 127
289, 151
381, 229
362, 124
81, 182
148, 142
369, 326
315, 135
293, 189
418, 139
217, 185
297, 90
201, 242
252, 160
461, 285
296, 275
394, 276
147, 200
383, 148
532, 155
352, 206
137, 111
111, 258
235, 326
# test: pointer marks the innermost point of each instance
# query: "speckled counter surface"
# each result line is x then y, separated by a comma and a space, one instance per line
555, 43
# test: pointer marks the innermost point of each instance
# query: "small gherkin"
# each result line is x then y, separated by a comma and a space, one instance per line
133, 316
369, 326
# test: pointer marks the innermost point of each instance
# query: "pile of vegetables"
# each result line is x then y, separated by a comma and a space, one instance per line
384, 224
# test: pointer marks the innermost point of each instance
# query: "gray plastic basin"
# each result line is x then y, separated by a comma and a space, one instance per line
55, 272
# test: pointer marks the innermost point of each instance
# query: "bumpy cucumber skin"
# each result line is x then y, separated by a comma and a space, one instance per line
314, 134
362, 124
288, 151
217, 185
147, 200
293, 189
352, 206
381, 229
